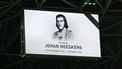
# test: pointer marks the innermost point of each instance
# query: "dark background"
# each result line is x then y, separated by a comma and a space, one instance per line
11, 45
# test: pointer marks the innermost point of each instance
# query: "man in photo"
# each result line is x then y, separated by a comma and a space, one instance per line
62, 33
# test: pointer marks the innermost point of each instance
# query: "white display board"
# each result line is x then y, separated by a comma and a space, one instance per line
76, 36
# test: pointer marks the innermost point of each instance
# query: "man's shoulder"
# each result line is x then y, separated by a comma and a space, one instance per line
69, 31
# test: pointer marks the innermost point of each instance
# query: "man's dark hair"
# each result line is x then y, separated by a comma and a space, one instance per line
65, 25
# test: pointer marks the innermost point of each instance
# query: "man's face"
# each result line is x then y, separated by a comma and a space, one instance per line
60, 22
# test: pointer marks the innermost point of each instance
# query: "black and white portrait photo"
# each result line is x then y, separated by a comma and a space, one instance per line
59, 33
62, 33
